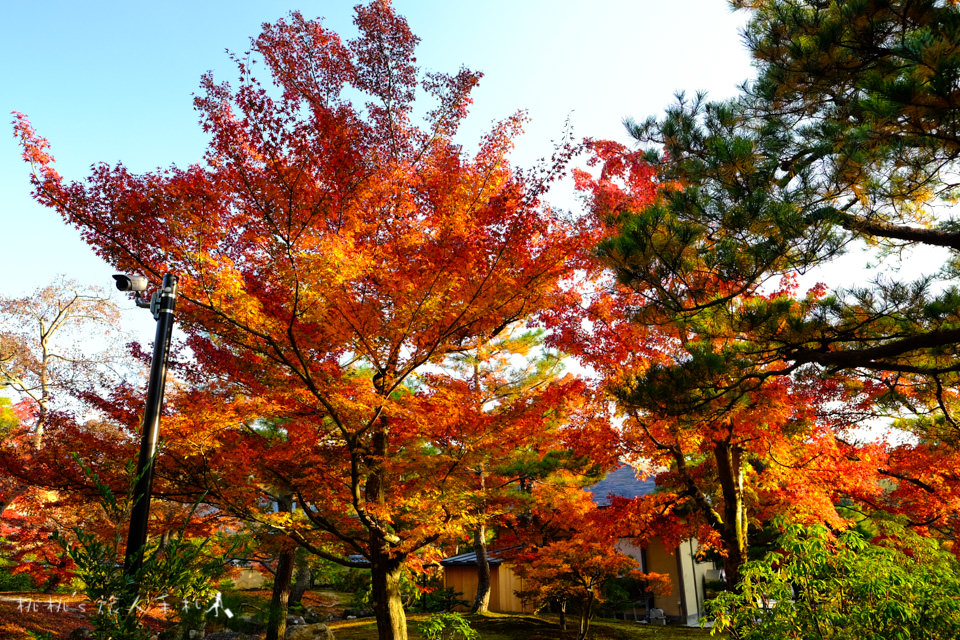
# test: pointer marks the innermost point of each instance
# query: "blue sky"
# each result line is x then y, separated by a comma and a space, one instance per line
113, 81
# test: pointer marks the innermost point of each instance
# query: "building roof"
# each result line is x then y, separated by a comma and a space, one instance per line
470, 559
622, 483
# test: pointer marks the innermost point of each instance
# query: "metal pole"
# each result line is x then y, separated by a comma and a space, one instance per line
137, 536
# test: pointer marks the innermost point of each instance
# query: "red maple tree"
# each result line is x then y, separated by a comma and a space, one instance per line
332, 256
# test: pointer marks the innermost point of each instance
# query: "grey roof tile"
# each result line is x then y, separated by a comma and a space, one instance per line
623, 483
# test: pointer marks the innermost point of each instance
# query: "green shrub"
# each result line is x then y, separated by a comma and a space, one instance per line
447, 626
15, 581
845, 587
428, 595
175, 573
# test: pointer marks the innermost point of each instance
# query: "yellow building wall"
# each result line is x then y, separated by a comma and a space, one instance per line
503, 583
662, 560
464, 581
508, 584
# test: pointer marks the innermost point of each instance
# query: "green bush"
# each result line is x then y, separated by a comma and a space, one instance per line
176, 573
15, 581
845, 587
447, 626
438, 600
430, 596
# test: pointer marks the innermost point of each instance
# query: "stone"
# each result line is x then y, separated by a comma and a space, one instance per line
318, 631
657, 616
81, 633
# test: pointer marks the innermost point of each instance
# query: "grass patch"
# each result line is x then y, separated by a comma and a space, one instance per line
498, 626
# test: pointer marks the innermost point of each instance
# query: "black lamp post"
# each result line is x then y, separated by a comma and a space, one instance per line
162, 306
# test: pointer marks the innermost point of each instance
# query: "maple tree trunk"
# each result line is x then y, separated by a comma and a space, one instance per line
302, 581
585, 615
387, 602
277, 621
734, 529
385, 568
563, 614
481, 603
44, 402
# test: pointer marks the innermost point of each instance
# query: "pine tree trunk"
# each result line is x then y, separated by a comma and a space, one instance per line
481, 603
387, 601
734, 529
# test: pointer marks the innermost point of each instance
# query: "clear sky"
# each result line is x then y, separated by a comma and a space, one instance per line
111, 81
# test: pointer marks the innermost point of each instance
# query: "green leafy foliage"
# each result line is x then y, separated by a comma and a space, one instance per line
820, 586
174, 571
447, 626
8, 419
10, 581
435, 598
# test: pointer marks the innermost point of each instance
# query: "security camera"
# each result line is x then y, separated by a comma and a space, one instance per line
131, 283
